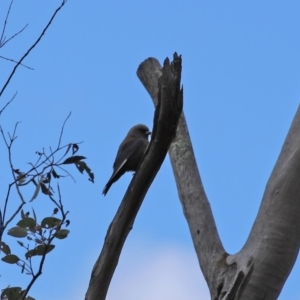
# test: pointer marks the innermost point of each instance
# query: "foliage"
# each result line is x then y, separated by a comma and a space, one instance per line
35, 235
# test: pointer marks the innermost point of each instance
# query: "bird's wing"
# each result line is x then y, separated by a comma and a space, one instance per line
126, 150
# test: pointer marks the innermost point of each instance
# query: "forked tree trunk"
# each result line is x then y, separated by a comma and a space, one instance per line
262, 266
259, 270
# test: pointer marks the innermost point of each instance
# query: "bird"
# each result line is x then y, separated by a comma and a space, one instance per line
130, 153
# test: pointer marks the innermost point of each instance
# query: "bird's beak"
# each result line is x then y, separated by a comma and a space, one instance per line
148, 133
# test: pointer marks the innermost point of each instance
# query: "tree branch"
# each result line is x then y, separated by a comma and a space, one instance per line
260, 269
274, 240
166, 118
196, 207
34, 44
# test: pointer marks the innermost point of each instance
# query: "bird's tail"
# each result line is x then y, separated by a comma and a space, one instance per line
107, 187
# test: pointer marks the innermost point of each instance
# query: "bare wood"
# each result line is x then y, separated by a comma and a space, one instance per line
260, 269
192, 195
274, 241
166, 119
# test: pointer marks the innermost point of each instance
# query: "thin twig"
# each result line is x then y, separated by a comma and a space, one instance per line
29, 50
62, 129
39, 272
13, 215
12, 139
67, 173
1, 45
5, 22
1, 225
1, 111
9, 59
4, 138
5, 203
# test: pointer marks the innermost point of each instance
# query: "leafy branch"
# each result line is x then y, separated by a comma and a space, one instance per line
48, 167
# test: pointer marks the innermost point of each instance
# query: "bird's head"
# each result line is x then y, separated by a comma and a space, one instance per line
139, 130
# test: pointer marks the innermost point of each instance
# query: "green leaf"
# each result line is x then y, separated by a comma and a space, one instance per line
10, 259
18, 232
27, 223
29, 298
36, 192
42, 249
91, 174
62, 233
50, 222
4, 248
11, 293
80, 166
20, 243
47, 179
30, 253
73, 159
55, 175
45, 190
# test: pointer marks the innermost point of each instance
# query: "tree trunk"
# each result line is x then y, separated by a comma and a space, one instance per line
167, 113
261, 268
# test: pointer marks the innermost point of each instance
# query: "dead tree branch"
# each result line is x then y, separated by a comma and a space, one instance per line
167, 113
192, 195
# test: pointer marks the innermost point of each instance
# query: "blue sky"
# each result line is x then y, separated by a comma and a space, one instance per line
241, 72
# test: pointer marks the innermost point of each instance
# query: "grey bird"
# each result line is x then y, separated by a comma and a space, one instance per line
130, 153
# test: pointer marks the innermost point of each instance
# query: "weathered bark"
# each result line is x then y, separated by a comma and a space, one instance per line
167, 113
260, 269
274, 240
196, 207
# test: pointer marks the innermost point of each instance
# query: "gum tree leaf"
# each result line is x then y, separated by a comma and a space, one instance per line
18, 232
47, 179
44, 249
30, 253
4, 248
73, 159
62, 233
10, 259
45, 190
20, 243
26, 223
80, 166
55, 175
50, 222
11, 293
90, 173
